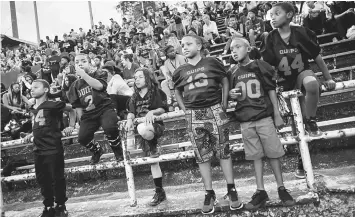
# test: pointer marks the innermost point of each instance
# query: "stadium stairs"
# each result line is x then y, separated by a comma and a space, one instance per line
336, 111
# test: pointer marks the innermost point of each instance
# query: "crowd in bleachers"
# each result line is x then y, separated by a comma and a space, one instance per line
128, 60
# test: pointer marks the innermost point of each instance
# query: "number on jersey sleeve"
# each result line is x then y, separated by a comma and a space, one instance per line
297, 63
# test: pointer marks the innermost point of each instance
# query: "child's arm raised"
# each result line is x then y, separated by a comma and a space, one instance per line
94, 83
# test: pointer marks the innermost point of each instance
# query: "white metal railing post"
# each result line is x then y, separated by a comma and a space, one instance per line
303, 139
126, 138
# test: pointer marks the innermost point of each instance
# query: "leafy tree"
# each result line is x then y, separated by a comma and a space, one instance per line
134, 8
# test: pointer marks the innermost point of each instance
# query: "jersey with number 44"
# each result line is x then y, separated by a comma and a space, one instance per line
46, 127
82, 95
254, 81
291, 58
200, 84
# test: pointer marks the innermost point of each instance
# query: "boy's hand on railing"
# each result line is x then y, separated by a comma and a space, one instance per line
129, 125
68, 131
279, 122
28, 138
149, 118
330, 84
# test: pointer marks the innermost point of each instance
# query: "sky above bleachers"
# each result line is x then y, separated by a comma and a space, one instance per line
55, 18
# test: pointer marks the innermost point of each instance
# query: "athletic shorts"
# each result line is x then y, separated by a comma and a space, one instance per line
260, 139
299, 82
208, 129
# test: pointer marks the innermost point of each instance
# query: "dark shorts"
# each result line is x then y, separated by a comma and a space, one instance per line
208, 129
298, 84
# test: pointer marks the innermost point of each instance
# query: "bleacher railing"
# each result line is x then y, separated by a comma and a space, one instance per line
128, 143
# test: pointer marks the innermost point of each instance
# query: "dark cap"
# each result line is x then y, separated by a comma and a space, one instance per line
254, 10
66, 57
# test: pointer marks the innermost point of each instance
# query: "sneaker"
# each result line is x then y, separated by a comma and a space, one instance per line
95, 158
209, 203
259, 199
285, 197
234, 204
48, 212
158, 197
312, 128
61, 211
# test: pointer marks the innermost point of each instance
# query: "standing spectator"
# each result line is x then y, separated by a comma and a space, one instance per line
81, 34
165, 10
53, 63
66, 45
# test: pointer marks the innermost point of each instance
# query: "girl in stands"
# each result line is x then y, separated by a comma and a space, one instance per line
148, 101
201, 90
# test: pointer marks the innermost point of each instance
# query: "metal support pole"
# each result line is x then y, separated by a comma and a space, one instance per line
303, 144
37, 24
91, 16
14, 19
128, 137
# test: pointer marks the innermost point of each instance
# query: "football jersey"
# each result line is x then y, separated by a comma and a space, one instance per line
292, 58
93, 102
46, 127
254, 82
200, 84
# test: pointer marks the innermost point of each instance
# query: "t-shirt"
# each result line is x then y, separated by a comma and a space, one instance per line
200, 84
129, 73
66, 46
54, 66
292, 58
171, 65
254, 80
118, 86
93, 102
46, 127
142, 105
257, 25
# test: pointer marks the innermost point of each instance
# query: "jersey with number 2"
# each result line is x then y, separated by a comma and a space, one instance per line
200, 83
291, 58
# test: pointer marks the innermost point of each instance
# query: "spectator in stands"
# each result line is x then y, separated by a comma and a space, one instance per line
165, 9
129, 68
210, 31
232, 31
315, 20
148, 101
13, 98
66, 45
81, 34
255, 27
343, 13
172, 62
54, 64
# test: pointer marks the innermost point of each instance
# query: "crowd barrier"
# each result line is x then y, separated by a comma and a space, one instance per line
128, 142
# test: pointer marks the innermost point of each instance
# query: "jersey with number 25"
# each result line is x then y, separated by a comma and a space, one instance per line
292, 58
254, 82
200, 84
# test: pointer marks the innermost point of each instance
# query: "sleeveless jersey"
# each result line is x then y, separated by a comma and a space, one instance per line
292, 58
201, 84
46, 127
254, 81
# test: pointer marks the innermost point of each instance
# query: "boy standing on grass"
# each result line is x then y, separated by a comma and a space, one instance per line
257, 111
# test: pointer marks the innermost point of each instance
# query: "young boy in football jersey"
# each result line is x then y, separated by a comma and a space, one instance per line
48, 149
149, 101
201, 89
89, 93
289, 48
257, 111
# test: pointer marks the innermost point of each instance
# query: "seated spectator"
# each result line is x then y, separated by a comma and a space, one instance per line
343, 13
255, 28
315, 21
66, 45
129, 68
13, 99
210, 31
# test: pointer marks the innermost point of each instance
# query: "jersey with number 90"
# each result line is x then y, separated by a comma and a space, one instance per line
46, 127
254, 82
292, 58
200, 84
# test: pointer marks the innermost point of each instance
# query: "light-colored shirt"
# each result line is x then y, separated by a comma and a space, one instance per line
208, 29
171, 65
118, 86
